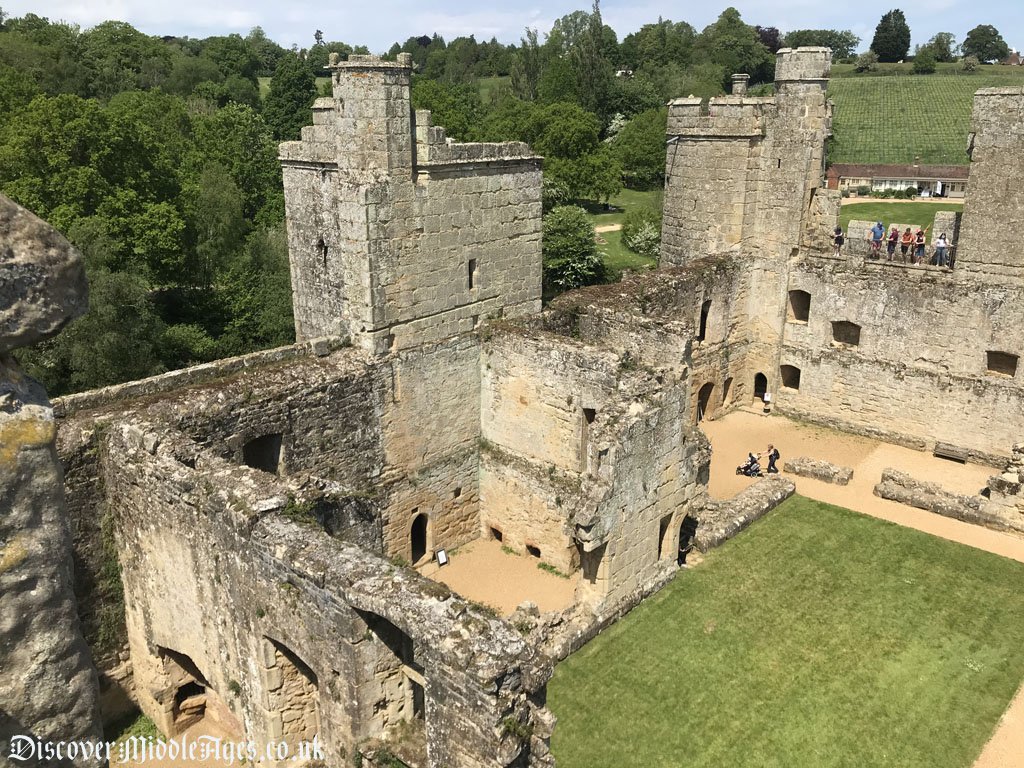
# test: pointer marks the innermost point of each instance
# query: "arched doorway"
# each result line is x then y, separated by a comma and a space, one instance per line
704, 401
760, 386
418, 537
687, 530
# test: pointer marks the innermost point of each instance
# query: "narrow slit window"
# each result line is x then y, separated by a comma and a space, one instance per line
471, 274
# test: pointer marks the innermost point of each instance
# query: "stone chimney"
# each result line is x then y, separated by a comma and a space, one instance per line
739, 84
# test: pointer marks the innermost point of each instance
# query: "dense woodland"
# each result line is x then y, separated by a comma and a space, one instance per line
157, 156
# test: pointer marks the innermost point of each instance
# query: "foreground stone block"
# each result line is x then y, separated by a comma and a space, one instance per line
42, 279
818, 470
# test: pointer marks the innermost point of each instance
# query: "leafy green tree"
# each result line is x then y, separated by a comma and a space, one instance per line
842, 41
659, 44
257, 290
187, 72
289, 103
734, 47
569, 251
233, 56
456, 107
219, 223
867, 62
924, 62
266, 51
632, 95
892, 37
117, 340
985, 42
943, 46
528, 67
239, 140
124, 59
640, 149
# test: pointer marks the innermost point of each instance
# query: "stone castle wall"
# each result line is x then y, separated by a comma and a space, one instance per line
221, 570
992, 230
937, 350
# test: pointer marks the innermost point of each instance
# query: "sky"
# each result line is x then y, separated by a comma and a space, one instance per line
381, 23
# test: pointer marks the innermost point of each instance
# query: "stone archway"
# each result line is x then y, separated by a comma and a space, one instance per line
760, 386
704, 406
419, 537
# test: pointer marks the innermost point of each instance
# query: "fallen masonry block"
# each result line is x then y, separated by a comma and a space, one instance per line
818, 470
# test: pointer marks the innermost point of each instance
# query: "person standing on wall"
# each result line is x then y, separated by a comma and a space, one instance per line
919, 242
877, 235
837, 241
905, 242
894, 239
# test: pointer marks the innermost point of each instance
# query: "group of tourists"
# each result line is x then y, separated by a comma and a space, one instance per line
912, 245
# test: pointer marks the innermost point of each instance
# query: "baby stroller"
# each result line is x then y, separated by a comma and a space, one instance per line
751, 468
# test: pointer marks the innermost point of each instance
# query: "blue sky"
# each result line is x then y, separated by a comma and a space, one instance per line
378, 24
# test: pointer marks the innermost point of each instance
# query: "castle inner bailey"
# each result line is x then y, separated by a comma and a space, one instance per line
247, 534
917, 355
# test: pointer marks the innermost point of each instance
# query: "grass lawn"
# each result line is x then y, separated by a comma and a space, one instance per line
915, 214
488, 85
617, 256
819, 637
893, 119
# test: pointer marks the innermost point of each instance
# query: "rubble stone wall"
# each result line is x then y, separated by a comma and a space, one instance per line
217, 563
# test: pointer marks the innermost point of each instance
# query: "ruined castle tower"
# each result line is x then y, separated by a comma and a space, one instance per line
742, 170
396, 234
48, 687
992, 231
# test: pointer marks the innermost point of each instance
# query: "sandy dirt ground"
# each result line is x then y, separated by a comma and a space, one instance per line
740, 432
482, 571
608, 228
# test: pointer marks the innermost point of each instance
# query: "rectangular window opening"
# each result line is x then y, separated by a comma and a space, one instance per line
471, 276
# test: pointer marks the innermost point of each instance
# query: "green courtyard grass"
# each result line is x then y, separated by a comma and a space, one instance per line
819, 637
914, 214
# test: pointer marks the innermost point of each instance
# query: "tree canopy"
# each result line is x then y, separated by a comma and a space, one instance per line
892, 37
985, 42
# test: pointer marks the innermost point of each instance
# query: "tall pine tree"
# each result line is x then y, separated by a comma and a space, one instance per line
892, 37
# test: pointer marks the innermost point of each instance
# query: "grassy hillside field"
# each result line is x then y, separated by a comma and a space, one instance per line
895, 118
819, 638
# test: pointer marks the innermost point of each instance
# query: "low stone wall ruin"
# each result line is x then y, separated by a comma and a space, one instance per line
818, 470
721, 520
